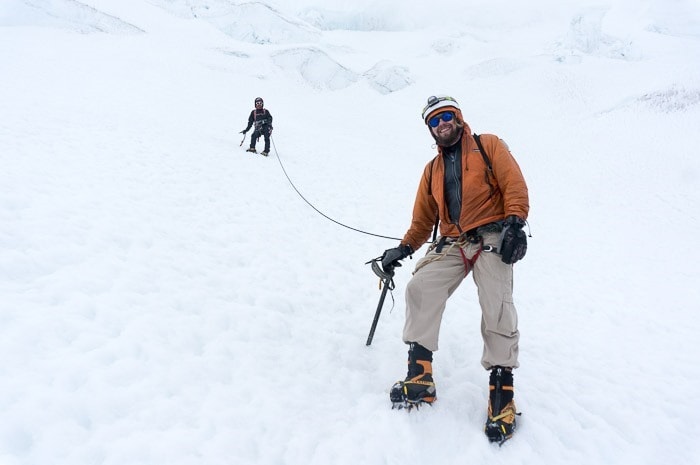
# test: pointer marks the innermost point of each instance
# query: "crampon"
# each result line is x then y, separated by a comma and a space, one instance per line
400, 400
501, 427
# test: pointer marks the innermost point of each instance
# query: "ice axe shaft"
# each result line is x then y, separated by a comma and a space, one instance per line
388, 284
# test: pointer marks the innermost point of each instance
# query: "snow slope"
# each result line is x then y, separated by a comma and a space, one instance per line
167, 297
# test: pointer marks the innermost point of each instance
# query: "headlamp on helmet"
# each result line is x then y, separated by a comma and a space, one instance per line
437, 102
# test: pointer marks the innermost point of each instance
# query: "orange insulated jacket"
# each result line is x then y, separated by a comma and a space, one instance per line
486, 196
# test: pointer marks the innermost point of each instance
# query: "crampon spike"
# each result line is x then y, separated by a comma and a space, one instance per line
408, 406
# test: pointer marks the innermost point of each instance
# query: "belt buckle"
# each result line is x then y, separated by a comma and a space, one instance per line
474, 238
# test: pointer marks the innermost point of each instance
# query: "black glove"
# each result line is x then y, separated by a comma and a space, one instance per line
244, 131
391, 257
514, 244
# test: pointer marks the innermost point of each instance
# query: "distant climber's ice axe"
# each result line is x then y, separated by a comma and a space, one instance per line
243, 140
387, 279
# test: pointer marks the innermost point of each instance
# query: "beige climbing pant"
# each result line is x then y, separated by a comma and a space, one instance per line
438, 275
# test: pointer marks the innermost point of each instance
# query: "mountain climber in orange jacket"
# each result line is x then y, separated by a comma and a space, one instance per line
475, 190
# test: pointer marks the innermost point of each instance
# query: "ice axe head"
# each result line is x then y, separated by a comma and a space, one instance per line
384, 274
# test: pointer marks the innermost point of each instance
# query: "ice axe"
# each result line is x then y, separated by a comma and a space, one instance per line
387, 279
243, 140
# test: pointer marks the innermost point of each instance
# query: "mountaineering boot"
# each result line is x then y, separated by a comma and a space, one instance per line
252, 150
264, 154
500, 421
418, 387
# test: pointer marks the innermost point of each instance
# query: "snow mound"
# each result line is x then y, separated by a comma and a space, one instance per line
586, 37
671, 100
445, 46
252, 22
374, 19
387, 78
260, 24
315, 67
62, 14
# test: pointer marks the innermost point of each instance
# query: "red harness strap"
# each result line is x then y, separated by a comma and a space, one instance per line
469, 264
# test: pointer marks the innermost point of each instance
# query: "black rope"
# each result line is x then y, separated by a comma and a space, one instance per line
317, 210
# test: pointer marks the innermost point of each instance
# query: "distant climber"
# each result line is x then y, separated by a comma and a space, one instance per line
262, 120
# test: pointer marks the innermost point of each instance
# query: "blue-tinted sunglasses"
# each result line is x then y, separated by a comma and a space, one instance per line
435, 120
